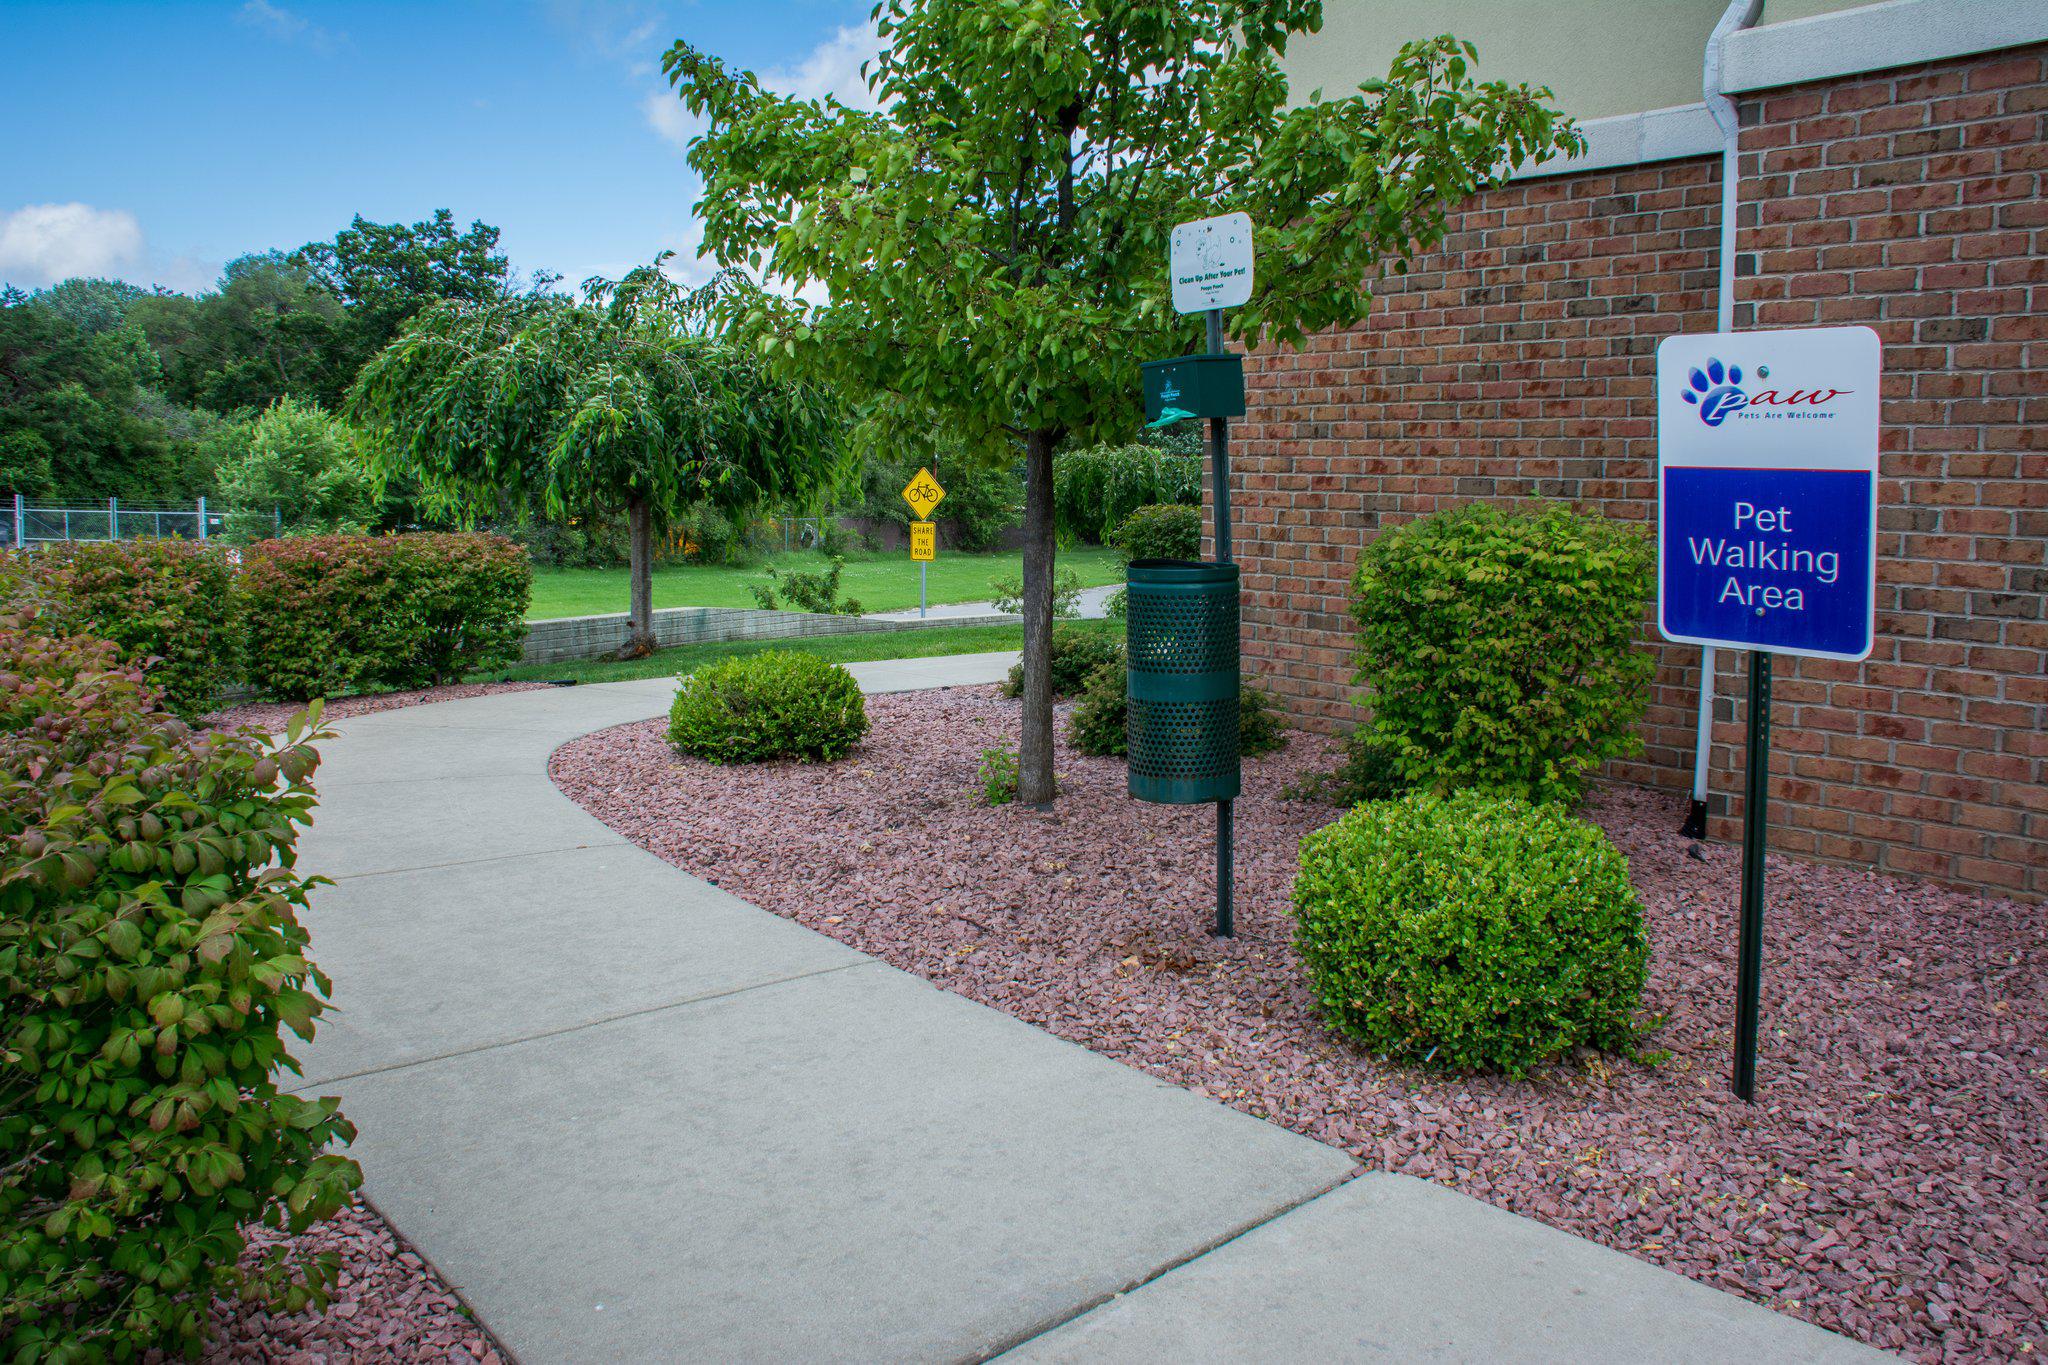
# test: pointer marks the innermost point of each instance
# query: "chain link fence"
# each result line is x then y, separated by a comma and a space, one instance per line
24, 523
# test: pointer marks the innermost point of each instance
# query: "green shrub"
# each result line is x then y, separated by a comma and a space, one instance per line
1093, 490
1366, 774
1162, 530
169, 605
1075, 655
299, 470
998, 776
1098, 725
1007, 593
778, 704
151, 961
1498, 647
812, 590
1471, 932
1261, 728
329, 615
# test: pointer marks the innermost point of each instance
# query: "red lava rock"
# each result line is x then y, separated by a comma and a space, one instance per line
1899, 1147
388, 1310
275, 715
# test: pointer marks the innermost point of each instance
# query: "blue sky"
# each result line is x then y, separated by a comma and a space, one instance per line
157, 141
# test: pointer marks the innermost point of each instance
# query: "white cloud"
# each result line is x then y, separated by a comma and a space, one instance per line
832, 68
41, 244
666, 115
286, 26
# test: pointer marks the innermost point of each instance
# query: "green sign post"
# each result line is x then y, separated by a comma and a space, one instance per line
1182, 645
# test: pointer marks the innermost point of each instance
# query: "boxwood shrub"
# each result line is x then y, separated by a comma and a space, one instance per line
169, 606
1098, 725
1498, 647
151, 963
777, 704
329, 615
1075, 654
1470, 932
1160, 530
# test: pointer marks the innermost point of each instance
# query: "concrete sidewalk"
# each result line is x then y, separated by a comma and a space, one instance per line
631, 1117
1091, 605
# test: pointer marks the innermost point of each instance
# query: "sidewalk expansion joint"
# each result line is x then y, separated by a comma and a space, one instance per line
472, 862
578, 1027
1224, 1239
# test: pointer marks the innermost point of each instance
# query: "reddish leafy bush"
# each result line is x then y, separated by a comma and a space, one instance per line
328, 615
151, 957
168, 605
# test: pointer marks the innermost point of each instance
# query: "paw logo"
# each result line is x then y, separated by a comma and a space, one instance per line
1716, 391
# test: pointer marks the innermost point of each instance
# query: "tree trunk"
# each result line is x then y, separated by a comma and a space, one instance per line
640, 613
1034, 749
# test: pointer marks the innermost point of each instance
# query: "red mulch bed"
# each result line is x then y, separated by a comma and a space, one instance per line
273, 716
1888, 1184
390, 1306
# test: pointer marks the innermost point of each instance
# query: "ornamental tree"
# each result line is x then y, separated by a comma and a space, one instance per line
624, 404
992, 241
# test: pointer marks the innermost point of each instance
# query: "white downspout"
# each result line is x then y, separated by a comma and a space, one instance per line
1739, 15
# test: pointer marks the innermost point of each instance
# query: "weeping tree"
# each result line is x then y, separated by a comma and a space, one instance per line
992, 242
630, 402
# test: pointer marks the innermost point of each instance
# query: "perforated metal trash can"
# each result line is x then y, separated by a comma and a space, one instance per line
1181, 713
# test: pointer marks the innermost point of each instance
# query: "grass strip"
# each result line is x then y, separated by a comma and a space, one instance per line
844, 649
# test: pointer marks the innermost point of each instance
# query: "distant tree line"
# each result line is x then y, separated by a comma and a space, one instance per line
109, 389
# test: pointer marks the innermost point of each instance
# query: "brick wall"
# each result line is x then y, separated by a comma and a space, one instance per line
1517, 362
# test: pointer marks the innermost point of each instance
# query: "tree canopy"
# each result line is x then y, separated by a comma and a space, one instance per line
990, 245
270, 330
625, 403
78, 416
384, 274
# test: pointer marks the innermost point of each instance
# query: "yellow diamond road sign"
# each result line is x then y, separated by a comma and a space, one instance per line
923, 494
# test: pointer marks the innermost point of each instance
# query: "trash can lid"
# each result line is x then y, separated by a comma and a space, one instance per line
1180, 571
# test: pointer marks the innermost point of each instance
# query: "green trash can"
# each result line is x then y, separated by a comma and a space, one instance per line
1181, 704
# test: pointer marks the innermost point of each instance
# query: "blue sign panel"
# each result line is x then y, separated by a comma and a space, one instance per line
1771, 557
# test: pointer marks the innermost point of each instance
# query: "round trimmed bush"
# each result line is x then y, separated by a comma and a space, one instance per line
778, 704
1160, 530
1470, 932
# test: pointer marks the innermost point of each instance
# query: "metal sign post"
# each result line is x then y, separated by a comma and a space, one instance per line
1209, 268
1219, 477
1749, 941
1766, 541
924, 495
924, 548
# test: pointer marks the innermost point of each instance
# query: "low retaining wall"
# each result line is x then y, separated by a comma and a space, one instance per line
589, 637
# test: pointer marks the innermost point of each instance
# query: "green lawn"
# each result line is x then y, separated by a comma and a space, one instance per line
845, 649
879, 582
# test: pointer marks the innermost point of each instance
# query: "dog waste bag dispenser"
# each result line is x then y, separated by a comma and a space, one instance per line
1193, 386
1181, 716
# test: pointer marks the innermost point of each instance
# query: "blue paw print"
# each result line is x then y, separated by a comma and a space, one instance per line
1716, 391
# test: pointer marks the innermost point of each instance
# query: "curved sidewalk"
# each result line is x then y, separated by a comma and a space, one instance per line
633, 1118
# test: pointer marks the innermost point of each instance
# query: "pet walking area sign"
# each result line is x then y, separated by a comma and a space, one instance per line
1767, 497
1766, 541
